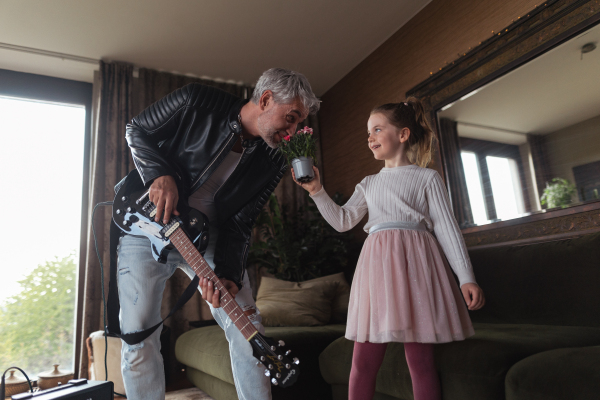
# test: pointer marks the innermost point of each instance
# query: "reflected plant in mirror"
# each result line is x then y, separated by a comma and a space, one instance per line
558, 193
529, 140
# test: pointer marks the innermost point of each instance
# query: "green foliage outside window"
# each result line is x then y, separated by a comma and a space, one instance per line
36, 325
298, 246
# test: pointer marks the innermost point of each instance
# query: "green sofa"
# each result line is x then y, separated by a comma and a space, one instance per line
537, 337
205, 352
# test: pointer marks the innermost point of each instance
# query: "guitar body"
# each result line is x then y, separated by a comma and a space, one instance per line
129, 216
133, 212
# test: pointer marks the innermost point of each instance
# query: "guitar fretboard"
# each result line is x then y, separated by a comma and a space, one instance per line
203, 270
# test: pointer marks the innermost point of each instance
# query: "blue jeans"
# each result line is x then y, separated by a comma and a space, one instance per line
141, 282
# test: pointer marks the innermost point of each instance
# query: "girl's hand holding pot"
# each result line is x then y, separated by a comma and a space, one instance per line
313, 186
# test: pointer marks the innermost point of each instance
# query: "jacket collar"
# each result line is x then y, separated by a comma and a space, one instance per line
234, 113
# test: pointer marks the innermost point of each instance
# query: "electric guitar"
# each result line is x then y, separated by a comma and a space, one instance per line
134, 213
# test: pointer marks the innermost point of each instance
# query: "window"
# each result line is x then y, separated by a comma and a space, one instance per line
474, 187
42, 159
494, 187
506, 187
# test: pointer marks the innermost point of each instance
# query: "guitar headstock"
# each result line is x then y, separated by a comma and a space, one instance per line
281, 370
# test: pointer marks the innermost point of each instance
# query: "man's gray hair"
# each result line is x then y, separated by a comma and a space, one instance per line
287, 86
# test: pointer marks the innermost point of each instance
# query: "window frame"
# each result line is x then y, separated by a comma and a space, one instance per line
57, 90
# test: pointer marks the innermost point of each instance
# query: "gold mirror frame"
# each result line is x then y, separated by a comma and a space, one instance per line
528, 37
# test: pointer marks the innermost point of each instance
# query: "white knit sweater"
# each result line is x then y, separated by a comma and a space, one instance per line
407, 193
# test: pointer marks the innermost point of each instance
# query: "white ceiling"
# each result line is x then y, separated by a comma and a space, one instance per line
556, 90
233, 40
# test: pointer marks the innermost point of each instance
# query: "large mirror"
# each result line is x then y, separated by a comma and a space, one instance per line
529, 140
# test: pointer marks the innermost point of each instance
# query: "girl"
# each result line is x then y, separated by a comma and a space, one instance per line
403, 290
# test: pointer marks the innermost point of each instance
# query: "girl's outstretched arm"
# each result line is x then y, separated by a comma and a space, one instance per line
341, 218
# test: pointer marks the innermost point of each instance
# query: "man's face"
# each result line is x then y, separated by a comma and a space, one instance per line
279, 120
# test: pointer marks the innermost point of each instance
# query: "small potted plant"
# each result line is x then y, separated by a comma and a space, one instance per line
300, 152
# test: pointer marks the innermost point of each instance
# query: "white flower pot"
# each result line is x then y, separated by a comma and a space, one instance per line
303, 169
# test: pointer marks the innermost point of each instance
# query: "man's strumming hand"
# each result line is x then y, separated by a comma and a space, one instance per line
164, 194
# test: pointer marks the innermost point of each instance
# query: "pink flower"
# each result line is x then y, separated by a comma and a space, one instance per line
287, 138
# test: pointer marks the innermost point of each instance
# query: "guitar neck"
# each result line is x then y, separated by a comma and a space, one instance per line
202, 269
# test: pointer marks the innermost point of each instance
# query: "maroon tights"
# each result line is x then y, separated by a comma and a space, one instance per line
368, 357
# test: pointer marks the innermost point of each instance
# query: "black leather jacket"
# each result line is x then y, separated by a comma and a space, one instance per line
187, 134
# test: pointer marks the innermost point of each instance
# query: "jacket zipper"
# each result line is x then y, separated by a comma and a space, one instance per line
244, 256
213, 161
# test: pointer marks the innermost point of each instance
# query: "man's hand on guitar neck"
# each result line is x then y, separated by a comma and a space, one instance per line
213, 296
163, 193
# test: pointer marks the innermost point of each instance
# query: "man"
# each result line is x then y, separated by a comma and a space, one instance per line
222, 151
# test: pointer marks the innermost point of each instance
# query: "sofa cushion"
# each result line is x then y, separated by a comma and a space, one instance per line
339, 307
206, 350
551, 283
469, 369
283, 303
572, 374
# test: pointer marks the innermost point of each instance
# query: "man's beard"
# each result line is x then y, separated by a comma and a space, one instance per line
266, 130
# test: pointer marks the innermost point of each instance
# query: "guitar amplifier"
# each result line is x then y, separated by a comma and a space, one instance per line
75, 389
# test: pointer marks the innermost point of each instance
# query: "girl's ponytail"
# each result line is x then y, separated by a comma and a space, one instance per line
411, 115
422, 149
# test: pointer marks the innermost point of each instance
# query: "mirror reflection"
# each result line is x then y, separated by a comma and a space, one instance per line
529, 140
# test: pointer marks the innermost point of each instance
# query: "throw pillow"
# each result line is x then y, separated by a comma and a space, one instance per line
339, 307
283, 303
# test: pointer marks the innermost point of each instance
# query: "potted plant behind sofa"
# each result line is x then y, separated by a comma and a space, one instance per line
298, 246
300, 152
558, 193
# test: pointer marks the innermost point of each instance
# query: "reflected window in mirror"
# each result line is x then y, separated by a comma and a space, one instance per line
528, 141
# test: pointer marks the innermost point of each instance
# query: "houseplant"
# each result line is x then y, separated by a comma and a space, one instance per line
298, 246
300, 152
558, 193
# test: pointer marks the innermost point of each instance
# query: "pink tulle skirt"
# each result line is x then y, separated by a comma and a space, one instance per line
403, 291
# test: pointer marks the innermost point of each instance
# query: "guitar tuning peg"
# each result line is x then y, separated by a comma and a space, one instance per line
287, 353
272, 348
296, 361
270, 366
288, 366
262, 358
274, 381
280, 357
281, 343
278, 375
267, 372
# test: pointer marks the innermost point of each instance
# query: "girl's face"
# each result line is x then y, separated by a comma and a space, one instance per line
385, 140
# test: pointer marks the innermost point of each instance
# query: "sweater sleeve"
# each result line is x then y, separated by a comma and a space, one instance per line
447, 231
342, 218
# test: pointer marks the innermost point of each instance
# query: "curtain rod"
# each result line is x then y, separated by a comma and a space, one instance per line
63, 56
88, 60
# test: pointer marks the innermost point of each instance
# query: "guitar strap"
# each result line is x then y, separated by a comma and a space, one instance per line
113, 306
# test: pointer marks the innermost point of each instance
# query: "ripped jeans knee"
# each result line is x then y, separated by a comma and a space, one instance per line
129, 354
250, 312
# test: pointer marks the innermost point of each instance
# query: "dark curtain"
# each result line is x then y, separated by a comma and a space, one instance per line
119, 97
539, 155
109, 162
455, 174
